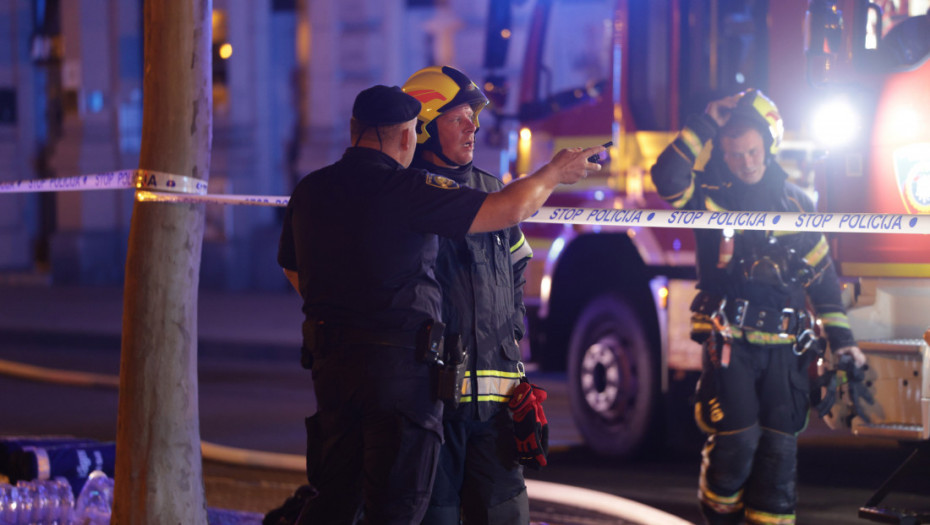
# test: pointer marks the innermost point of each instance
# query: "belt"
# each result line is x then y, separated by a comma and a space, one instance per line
747, 316
345, 336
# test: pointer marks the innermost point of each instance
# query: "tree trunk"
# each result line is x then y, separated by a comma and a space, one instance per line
159, 474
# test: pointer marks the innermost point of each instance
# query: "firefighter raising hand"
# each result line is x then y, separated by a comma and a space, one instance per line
720, 110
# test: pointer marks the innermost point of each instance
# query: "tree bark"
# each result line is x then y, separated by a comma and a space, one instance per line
159, 473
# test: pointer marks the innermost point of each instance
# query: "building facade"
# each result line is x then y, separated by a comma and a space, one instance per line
285, 75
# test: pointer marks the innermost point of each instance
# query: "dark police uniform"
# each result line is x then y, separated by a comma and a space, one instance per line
482, 282
753, 395
362, 236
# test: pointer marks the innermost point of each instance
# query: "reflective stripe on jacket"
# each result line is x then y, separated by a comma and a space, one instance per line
715, 188
482, 284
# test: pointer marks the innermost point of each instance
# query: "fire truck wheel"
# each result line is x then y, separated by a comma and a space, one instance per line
612, 377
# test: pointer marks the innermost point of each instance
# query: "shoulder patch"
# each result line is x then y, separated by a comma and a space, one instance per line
441, 182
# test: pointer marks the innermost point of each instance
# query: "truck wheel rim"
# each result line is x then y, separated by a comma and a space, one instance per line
606, 378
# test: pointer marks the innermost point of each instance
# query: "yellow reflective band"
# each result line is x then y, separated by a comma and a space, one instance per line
817, 254
734, 501
707, 429
680, 153
758, 517
692, 141
492, 385
494, 399
498, 373
520, 242
520, 250
763, 338
701, 326
685, 195
712, 206
720, 503
835, 319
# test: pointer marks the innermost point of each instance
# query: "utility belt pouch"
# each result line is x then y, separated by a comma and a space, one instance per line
313, 341
429, 342
703, 308
705, 303
452, 373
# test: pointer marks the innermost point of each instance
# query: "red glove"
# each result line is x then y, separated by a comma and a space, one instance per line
530, 427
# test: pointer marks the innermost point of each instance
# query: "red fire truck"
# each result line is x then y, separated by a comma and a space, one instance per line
611, 305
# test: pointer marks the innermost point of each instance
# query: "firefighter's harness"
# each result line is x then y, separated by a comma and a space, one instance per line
786, 323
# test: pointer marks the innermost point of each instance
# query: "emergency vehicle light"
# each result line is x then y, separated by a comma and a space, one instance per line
835, 123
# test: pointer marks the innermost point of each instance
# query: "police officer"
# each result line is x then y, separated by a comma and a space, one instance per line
359, 244
753, 395
479, 475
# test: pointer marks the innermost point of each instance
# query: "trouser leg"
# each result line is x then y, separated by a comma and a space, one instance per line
445, 504
727, 409
514, 511
726, 463
494, 491
335, 470
771, 492
399, 471
402, 438
380, 431
442, 515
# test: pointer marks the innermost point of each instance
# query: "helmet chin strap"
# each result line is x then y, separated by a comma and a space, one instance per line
433, 145
438, 152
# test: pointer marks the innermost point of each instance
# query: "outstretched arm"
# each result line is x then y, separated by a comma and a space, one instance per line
522, 197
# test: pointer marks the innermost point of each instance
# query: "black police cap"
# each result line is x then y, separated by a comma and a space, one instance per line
383, 106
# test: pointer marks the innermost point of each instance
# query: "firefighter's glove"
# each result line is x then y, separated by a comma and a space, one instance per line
852, 352
854, 376
823, 392
531, 429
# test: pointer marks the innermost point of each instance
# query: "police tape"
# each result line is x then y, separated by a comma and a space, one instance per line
716, 220
213, 198
153, 186
113, 180
737, 220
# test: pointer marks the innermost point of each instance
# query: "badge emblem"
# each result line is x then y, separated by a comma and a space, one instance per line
912, 171
443, 183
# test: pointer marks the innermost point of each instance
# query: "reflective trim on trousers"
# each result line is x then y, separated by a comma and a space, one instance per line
757, 517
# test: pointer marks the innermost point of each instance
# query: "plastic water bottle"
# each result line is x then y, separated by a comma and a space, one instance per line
39, 502
9, 504
95, 502
74, 461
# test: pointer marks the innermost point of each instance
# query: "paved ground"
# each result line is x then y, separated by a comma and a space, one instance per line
248, 326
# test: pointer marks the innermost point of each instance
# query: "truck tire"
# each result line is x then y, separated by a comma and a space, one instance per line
612, 378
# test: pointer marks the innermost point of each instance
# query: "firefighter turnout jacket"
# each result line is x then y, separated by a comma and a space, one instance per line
482, 300
762, 273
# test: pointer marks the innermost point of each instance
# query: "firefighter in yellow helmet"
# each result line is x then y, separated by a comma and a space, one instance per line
750, 314
359, 243
482, 282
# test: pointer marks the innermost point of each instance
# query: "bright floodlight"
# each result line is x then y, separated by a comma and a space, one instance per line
835, 123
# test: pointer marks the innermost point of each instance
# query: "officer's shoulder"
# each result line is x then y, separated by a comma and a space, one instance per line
312, 178
418, 173
431, 179
488, 178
